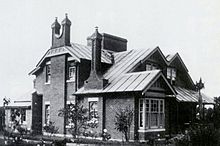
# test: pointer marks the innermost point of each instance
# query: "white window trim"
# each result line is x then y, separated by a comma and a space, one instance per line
70, 102
151, 128
72, 79
93, 99
47, 102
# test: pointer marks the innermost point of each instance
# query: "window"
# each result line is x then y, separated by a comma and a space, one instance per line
23, 115
48, 72
47, 114
151, 114
70, 107
71, 71
151, 67
171, 73
93, 109
18, 115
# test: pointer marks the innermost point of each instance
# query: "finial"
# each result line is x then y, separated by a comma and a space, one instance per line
96, 28
66, 15
55, 18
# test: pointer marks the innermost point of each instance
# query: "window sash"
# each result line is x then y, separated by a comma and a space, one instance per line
72, 71
47, 114
93, 109
151, 113
48, 73
171, 73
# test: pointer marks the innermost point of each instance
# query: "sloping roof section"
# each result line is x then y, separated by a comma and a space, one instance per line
170, 58
77, 51
185, 95
130, 82
126, 61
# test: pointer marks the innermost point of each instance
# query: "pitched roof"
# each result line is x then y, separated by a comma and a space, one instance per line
186, 95
77, 51
128, 82
171, 57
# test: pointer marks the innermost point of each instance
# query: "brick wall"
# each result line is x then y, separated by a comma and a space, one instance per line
112, 105
84, 101
54, 92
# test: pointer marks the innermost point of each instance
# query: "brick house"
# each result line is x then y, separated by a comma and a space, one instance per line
104, 76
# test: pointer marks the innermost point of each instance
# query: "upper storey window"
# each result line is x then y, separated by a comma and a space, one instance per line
48, 72
171, 73
71, 71
151, 66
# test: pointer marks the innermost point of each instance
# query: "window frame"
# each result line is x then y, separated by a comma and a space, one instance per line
145, 122
171, 73
48, 72
47, 114
71, 66
150, 66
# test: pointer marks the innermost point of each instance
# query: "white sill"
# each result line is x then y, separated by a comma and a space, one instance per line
151, 130
69, 81
47, 83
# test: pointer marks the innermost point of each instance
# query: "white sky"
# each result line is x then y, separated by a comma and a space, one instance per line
190, 27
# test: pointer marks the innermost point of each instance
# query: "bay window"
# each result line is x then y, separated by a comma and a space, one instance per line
151, 113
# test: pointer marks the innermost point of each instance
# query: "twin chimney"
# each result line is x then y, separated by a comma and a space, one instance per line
63, 38
96, 80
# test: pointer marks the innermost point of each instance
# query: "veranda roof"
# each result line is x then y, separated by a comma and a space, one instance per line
130, 82
186, 95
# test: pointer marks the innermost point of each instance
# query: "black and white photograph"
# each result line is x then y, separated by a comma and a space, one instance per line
110, 73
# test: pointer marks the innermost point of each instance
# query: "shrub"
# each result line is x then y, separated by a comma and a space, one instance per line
79, 118
51, 128
123, 121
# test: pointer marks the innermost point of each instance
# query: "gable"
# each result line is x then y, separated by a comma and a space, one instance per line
182, 74
77, 51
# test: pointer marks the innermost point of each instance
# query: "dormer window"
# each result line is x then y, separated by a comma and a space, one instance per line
71, 71
150, 66
48, 72
171, 73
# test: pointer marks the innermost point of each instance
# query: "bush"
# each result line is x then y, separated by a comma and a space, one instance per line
51, 128
123, 120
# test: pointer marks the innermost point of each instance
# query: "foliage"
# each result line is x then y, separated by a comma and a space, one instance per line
216, 116
51, 128
78, 119
123, 121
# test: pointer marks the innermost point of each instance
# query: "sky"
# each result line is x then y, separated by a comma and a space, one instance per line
191, 28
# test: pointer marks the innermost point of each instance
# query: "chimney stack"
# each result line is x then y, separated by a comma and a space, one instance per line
63, 38
96, 80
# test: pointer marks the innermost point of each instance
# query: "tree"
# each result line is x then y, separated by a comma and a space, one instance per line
216, 116
123, 121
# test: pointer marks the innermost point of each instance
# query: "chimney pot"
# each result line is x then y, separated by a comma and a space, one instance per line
63, 39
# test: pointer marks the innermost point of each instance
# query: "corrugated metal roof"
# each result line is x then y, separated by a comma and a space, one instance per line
136, 81
185, 95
